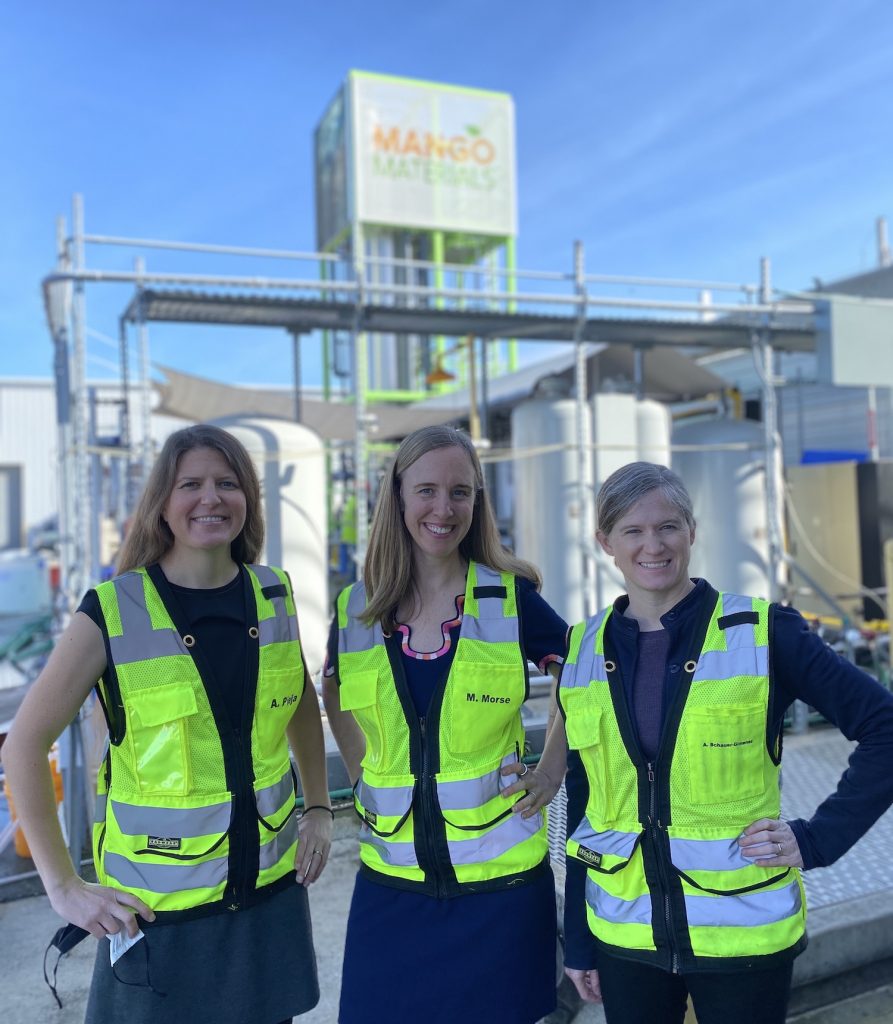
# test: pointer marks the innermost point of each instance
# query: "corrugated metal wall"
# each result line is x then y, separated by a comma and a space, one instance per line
813, 416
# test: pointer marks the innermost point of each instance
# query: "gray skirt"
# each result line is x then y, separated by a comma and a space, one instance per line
255, 966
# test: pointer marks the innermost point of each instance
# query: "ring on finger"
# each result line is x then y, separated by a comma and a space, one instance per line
316, 853
778, 848
526, 768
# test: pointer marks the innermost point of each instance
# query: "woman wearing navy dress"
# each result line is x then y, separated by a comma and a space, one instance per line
453, 912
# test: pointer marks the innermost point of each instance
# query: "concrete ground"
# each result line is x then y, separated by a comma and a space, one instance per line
850, 921
26, 926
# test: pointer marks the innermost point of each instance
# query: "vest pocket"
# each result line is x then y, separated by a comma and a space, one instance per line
484, 701
158, 724
273, 711
358, 693
584, 733
726, 748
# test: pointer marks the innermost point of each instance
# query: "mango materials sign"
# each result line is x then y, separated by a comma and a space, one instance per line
432, 156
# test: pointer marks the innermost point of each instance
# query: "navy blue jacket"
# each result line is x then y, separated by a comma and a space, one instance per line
802, 666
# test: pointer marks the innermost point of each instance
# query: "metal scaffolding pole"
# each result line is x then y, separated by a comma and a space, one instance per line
80, 527
142, 335
296, 368
770, 425
360, 378
58, 301
586, 518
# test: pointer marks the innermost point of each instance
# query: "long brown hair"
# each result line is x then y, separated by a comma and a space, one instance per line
149, 537
387, 573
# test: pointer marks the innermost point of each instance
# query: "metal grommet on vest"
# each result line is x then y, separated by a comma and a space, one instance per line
253, 632
610, 666
189, 640
690, 665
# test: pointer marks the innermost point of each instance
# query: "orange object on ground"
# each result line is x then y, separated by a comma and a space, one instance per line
21, 844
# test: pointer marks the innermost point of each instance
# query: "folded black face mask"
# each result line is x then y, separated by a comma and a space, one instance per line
66, 938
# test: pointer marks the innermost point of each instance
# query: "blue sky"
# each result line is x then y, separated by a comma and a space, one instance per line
678, 139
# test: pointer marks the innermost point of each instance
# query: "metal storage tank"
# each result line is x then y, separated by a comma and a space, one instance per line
654, 427
728, 490
631, 430
547, 508
290, 462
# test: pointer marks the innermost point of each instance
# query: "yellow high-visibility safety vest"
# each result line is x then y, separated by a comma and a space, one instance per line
429, 794
666, 881
187, 814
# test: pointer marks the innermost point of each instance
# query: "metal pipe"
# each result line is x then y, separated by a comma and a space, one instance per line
350, 289
360, 376
639, 372
296, 366
80, 510
586, 521
874, 451
234, 250
142, 335
883, 244
290, 254
474, 420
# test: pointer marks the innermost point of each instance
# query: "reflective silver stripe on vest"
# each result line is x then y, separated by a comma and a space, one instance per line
180, 822
750, 910
282, 627
503, 630
398, 855
707, 855
356, 636
165, 878
272, 798
738, 661
615, 844
734, 603
487, 577
589, 665
139, 641
615, 910
279, 630
99, 808
576, 675
490, 623
388, 801
467, 794
478, 848
273, 851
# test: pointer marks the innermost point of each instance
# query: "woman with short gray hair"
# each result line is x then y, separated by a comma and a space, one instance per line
682, 878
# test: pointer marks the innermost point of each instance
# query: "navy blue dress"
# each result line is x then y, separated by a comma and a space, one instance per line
478, 958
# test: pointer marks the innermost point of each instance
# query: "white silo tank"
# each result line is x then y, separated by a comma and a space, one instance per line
547, 505
624, 429
654, 428
728, 491
291, 466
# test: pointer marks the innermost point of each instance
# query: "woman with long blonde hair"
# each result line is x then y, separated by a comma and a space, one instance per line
426, 675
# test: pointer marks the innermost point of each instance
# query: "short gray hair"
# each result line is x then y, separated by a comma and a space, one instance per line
629, 484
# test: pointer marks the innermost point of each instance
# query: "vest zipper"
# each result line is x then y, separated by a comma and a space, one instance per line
240, 887
427, 793
658, 839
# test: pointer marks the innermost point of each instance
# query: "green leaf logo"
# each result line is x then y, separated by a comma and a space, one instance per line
472, 130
